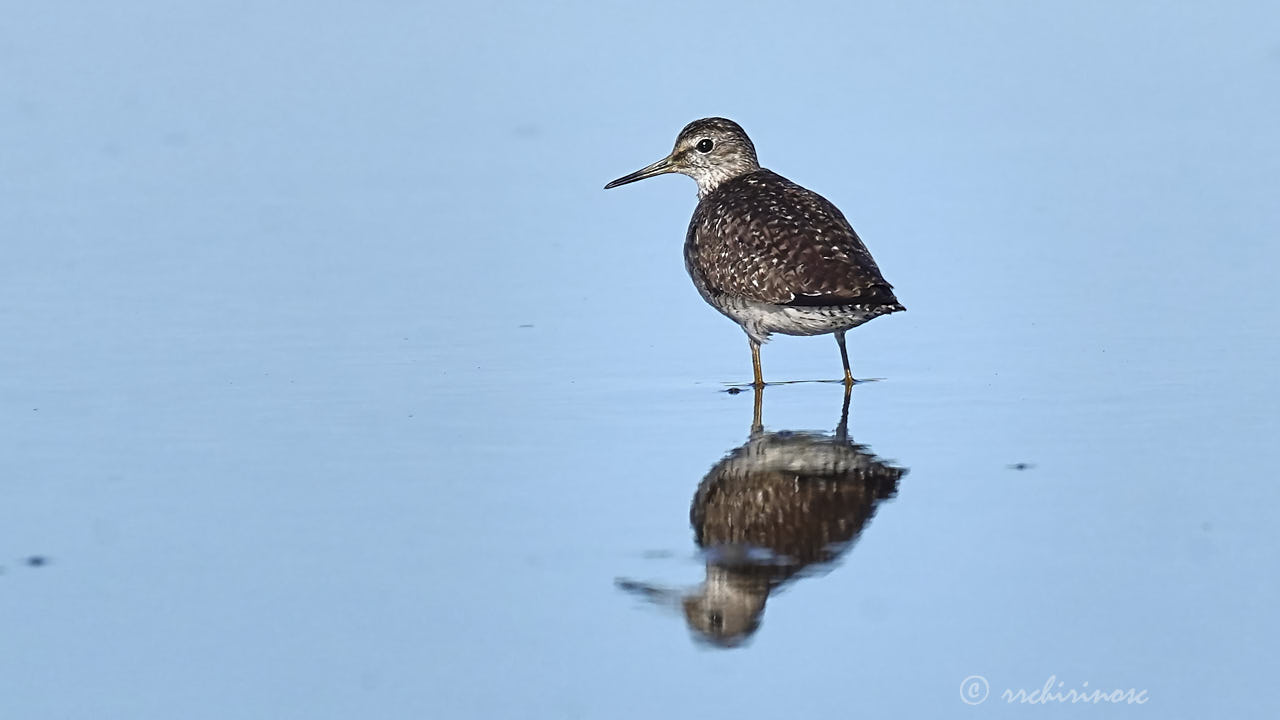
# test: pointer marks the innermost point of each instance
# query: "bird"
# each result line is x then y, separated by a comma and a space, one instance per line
769, 254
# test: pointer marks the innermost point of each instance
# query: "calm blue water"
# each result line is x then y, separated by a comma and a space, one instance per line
333, 385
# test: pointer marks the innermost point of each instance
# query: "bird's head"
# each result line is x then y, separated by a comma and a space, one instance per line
710, 150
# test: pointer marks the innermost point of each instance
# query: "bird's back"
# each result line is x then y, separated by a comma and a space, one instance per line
763, 238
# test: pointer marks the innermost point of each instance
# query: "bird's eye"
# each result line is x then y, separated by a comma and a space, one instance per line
705, 145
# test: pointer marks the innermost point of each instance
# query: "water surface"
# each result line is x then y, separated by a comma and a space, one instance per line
332, 385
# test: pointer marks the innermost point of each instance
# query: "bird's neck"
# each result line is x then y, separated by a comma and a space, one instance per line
714, 177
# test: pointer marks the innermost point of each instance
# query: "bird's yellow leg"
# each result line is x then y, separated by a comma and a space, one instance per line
755, 364
844, 358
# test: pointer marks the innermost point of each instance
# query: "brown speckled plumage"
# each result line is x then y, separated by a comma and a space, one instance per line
761, 237
771, 255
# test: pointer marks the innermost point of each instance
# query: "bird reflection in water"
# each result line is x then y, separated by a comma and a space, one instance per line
783, 506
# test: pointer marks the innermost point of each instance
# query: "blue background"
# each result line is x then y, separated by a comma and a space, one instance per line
333, 385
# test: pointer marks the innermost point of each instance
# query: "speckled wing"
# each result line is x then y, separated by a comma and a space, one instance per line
764, 238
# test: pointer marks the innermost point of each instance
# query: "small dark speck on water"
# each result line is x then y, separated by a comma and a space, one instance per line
526, 325
37, 561
734, 391
1021, 466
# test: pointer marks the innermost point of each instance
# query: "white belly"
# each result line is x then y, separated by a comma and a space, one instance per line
762, 319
